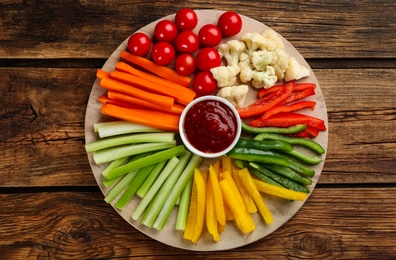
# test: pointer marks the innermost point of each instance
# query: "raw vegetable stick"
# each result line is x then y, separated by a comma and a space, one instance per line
100, 74
181, 95
124, 67
211, 220
184, 204
122, 87
201, 204
104, 99
217, 196
297, 87
156, 119
131, 101
280, 192
161, 71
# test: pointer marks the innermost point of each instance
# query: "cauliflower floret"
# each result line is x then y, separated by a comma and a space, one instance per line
235, 94
253, 42
295, 70
246, 68
231, 50
279, 62
264, 79
261, 59
272, 40
225, 75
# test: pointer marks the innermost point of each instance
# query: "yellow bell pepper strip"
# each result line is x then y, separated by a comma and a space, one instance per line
243, 219
211, 220
249, 202
192, 214
279, 191
251, 187
226, 163
217, 196
199, 179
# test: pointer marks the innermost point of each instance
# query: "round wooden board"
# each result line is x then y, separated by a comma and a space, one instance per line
281, 209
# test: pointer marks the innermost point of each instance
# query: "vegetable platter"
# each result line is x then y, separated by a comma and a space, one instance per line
281, 209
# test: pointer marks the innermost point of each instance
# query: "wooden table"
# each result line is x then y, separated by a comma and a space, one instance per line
51, 206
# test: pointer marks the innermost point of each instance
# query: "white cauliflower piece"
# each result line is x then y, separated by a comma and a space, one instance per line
261, 59
295, 70
264, 79
246, 68
280, 62
236, 95
272, 40
225, 75
253, 42
231, 50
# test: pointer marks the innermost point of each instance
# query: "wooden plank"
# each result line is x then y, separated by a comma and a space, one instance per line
325, 29
42, 121
334, 223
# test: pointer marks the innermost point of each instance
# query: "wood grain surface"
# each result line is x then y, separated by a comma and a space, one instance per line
51, 206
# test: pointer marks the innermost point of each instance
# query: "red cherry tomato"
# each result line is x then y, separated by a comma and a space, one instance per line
208, 58
230, 23
186, 19
165, 31
163, 53
204, 83
209, 35
185, 64
139, 44
187, 41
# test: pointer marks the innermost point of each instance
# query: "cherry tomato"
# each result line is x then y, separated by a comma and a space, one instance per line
185, 64
230, 23
187, 41
204, 83
139, 44
209, 35
186, 19
163, 53
165, 31
208, 58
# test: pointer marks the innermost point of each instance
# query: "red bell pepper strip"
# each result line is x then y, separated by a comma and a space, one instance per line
314, 132
264, 104
299, 95
290, 119
290, 108
297, 87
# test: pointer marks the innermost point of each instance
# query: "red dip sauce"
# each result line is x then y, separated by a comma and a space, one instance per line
210, 126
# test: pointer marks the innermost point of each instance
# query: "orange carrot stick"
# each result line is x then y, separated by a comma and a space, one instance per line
156, 119
124, 67
116, 85
104, 99
102, 74
161, 71
176, 109
177, 94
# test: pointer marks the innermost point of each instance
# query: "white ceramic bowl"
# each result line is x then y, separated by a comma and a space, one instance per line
187, 143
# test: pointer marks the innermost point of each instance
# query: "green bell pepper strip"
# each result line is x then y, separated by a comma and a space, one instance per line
303, 158
265, 145
255, 155
288, 173
312, 145
277, 130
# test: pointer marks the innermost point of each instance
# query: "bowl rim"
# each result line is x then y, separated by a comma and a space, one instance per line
195, 150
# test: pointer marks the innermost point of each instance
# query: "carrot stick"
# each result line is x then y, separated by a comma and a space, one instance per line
156, 119
102, 74
124, 67
176, 109
162, 71
104, 99
116, 85
178, 94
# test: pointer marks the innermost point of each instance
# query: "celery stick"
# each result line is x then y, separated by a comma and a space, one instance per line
107, 129
133, 186
162, 195
184, 204
114, 164
130, 139
151, 159
148, 182
176, 190
108, 183
113, 153
124, 182
154, 188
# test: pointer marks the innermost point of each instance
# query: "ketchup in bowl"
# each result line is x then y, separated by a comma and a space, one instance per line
210, 126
